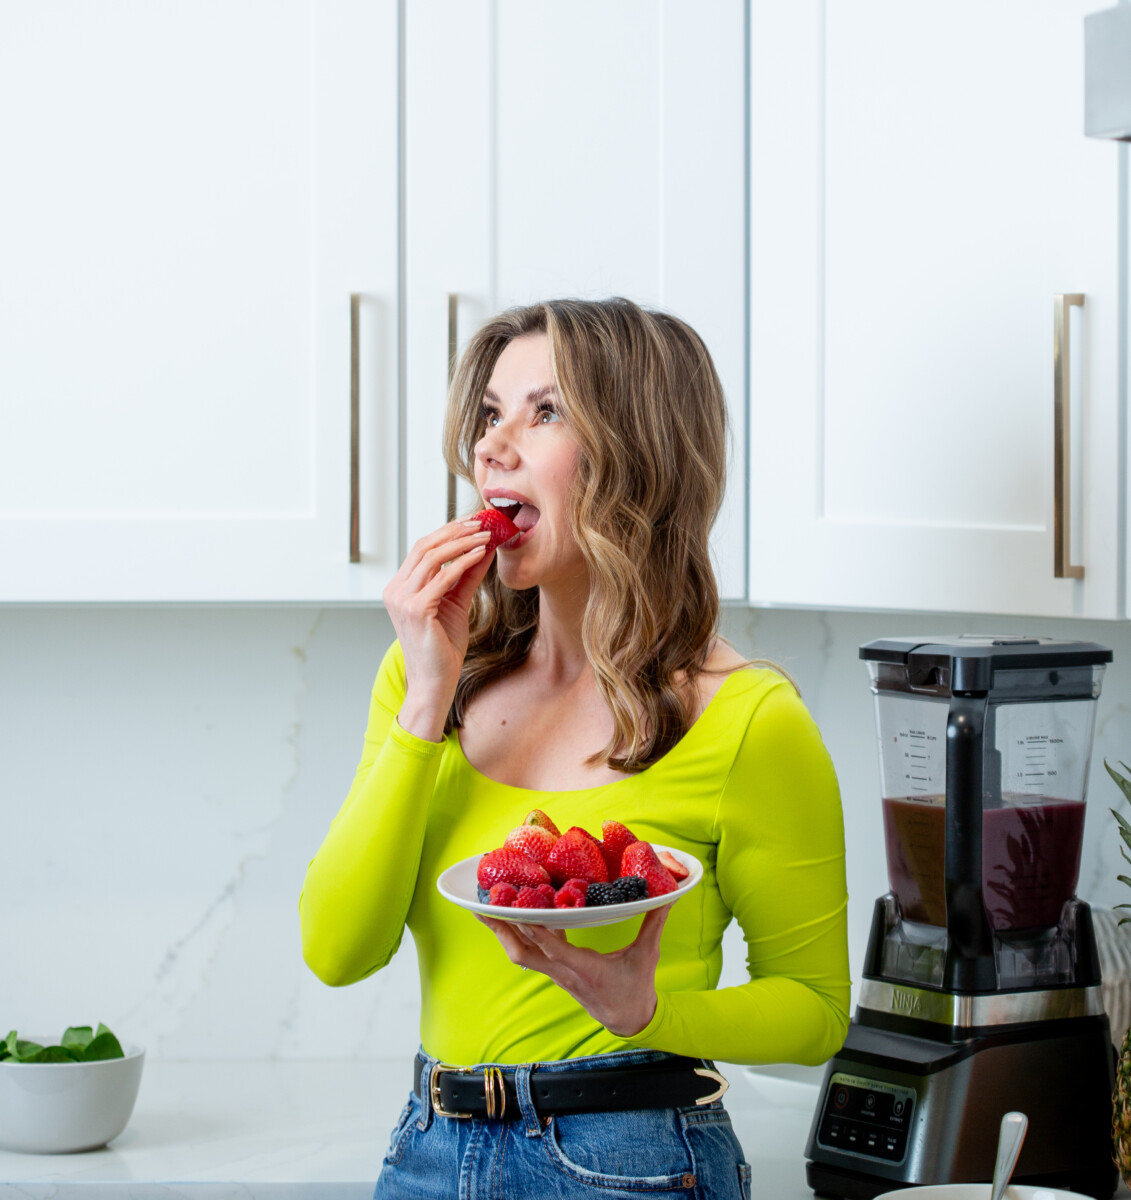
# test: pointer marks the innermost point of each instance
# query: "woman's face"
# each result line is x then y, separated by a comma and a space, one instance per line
527, 453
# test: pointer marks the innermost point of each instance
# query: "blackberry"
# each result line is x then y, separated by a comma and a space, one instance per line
622, 891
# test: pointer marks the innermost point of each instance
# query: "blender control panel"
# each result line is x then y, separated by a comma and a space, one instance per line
865, 1116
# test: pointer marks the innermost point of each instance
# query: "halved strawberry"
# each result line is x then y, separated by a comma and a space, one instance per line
678, 871
576, 856
532, 840
498, 525
509, 866
615, 837
537, 817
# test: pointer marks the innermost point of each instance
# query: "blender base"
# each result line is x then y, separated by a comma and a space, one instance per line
899, 1109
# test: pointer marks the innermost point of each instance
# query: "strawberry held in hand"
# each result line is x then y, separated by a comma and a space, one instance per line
497, 524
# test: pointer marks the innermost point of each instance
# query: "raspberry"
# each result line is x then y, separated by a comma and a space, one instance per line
541, 896
503, 895
571, 894
622, 891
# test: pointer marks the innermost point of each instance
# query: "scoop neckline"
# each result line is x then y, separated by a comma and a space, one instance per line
514, 787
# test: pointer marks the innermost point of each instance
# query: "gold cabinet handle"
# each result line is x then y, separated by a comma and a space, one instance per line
1063, 567
453, 343
355, 429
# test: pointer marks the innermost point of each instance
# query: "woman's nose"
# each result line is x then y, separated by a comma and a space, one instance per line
496, 446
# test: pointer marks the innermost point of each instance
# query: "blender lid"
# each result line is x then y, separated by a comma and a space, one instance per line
971, 660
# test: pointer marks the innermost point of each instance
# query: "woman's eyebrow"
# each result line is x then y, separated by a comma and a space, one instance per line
531, 397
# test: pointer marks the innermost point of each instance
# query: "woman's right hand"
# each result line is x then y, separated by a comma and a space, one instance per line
428, 601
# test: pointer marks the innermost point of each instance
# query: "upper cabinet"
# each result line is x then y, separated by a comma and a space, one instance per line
922, 194
573, 150
193, 193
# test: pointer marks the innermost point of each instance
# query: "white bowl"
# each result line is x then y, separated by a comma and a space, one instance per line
58, 1108
978, 1191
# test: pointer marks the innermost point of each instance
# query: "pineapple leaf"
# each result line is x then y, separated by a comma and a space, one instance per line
1126, 856
1123, 782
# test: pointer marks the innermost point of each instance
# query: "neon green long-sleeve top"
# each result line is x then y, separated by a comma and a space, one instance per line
749, 791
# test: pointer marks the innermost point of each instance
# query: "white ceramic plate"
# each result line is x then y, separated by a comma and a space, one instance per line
458, 884
978, 1191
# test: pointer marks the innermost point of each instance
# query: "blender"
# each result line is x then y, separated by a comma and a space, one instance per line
981, 983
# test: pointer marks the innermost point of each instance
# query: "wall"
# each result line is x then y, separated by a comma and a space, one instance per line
166, 774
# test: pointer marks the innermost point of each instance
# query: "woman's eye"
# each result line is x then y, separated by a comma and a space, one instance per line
490, 418
547, 416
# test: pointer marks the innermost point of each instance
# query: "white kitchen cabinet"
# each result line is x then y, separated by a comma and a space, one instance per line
579, 149
192, 193
921, 190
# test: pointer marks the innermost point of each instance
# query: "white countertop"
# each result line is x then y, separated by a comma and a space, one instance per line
306, 1130
313, 1130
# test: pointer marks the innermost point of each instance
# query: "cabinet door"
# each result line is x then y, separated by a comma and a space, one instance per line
922, 190
192, 193
576, 149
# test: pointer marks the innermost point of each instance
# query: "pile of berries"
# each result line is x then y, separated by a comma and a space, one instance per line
539, 867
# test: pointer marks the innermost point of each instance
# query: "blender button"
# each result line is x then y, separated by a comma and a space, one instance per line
870, 1100
897, 1108
840, 1098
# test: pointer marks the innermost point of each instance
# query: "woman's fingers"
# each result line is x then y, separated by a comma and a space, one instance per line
434, 560
430, 541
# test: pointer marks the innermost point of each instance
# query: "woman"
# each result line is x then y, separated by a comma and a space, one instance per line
577, 670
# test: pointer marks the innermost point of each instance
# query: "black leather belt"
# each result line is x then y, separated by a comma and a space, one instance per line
490, 1092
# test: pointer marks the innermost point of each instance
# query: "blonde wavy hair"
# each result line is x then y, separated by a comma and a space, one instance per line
640, 393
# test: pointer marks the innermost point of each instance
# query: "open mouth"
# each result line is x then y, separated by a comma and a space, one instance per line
524, 516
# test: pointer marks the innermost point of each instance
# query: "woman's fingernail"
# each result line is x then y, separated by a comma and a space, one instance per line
473, 525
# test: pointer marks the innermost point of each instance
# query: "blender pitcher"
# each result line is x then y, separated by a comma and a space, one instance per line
984, 751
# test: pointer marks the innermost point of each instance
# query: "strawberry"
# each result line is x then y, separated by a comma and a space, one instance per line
659, 880
584, 833
502, 895
537, 817
541, 896
576, 856
534, 841
508, 866
636, 856
678, 871
615, 837
498, 525
571, 894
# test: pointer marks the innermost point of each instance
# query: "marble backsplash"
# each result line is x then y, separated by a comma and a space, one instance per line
166, 774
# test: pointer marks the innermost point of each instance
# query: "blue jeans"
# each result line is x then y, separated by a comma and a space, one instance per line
679, 1153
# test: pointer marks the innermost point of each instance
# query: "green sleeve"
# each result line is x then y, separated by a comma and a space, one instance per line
780, 836
359, 885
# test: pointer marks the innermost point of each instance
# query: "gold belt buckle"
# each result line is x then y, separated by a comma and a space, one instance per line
439, 1069
493, 1092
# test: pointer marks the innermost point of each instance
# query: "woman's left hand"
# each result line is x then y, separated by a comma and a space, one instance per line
617, 989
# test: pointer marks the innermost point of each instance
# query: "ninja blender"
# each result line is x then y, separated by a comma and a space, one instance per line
980, 992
